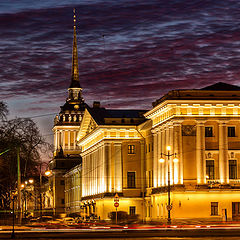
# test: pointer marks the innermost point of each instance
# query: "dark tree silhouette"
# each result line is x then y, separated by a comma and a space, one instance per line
20, 133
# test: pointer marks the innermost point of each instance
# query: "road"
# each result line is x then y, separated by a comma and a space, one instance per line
171, 234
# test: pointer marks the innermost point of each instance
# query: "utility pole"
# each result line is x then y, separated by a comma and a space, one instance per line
40, 190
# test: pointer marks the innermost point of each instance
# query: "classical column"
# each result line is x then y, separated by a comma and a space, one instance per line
107, 167
170, 126
200, 151
155, 158
69, 139
176, 144
74, 140
163, 150
223, 152
166, 160
56, 140
118, 167
159, 150
63, 139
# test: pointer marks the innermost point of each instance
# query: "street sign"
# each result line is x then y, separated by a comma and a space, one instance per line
116, 204
116, 198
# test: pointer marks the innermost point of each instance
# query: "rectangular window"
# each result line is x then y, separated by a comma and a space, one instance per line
149, 147
232, 169
214, 208
231, 132
131, 149
208, 132
62, 201
210, 169
131, 180
132, 210
62, 182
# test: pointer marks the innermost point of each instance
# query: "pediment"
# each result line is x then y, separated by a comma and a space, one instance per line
88, 124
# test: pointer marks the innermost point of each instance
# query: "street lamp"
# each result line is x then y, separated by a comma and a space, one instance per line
26, 186
175, 160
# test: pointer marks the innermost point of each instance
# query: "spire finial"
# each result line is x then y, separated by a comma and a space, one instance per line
74, 17
75, 72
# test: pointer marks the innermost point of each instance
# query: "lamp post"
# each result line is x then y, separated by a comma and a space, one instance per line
47, 173
161, 160
13, 219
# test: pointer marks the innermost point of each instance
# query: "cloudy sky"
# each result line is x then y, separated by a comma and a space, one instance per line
131, 52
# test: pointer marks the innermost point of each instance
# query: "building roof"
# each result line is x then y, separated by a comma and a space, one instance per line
217, 91
101, 115
221, 86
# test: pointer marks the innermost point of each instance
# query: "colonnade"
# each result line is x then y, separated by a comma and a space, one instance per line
171, 134
167, 134
102, 169
66, 139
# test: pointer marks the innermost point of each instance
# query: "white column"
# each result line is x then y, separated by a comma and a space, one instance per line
170, 126
159, 150
223, 152
74, 140
166, 158
63, 139
200, 152
56, 140
163, 150
69, 139
107, 166
178, 171
155, 158
118, 166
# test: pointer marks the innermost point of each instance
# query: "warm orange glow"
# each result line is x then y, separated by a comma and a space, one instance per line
31, 181
168, 148
22, 185
48, 173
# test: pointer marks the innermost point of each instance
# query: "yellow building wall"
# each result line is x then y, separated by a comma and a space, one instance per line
106, 205
190, 205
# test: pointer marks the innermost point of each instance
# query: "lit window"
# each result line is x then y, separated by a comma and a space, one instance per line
214, 208
231, 132
232, 169
131, 149
208, 132
131, 180
210, 169
132, 210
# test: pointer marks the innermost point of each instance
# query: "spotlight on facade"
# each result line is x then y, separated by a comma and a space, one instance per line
175, 160
161, 160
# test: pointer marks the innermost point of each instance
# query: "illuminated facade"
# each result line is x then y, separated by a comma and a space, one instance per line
112, 161
202, 127
121, 154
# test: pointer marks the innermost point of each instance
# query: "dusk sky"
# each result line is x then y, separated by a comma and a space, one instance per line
130, 52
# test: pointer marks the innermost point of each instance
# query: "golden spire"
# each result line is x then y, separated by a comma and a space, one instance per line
75, 71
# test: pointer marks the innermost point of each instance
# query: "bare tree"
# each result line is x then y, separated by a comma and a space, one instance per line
16, 133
